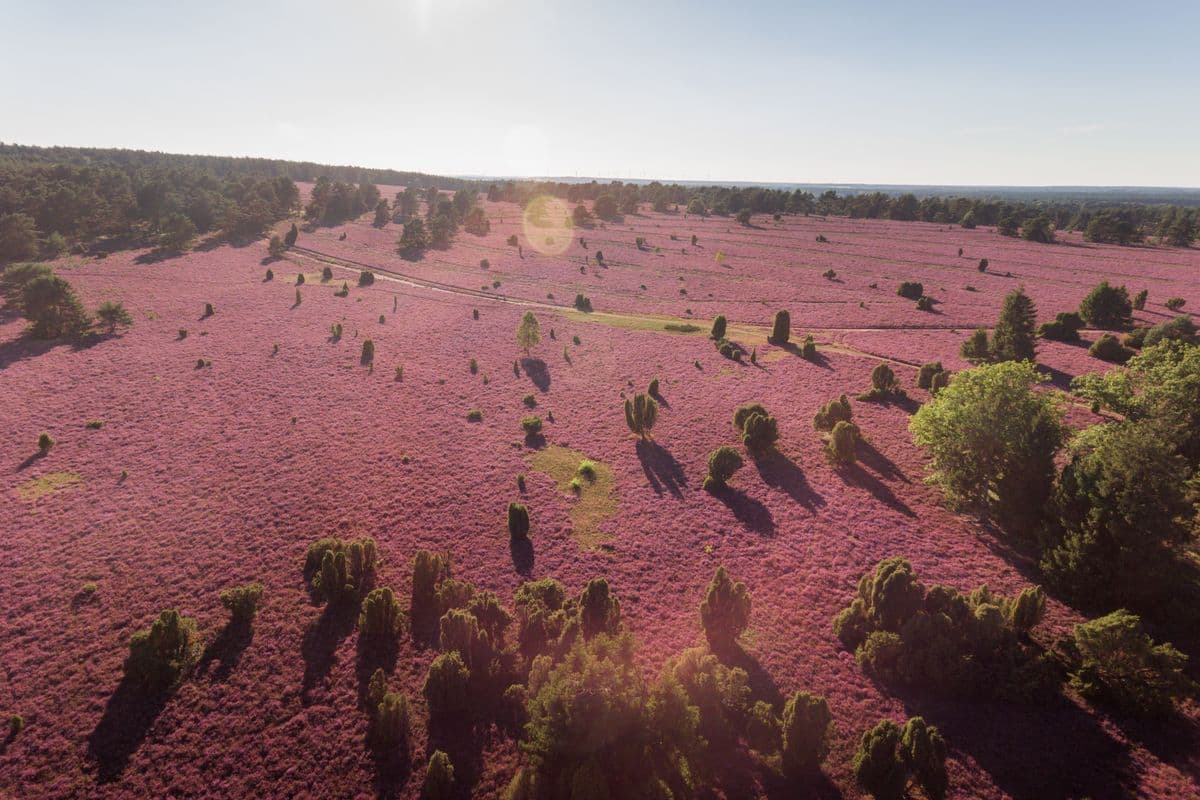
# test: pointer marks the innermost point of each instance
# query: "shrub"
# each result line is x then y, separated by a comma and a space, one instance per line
599, 609
1180, 329
587, 469
343, 292
821, 238
439, 778
722, 463
518, 522
781, 329
415, 238
807, 725
276, 248
759, 429
983, 265
270, 276
1120, 664
473, 366
925, 303
808, 349
528, 332
511, 240
641, 412
992, 438
1175, 303
447, 688
16, 724
365, 278
44, 442
53, 308
532, 425
883, 384
242, 601
1038, 229
718, 328
368, 352
163, 653
113, 315
300, 279
829, 274
1109, 348
1106, 306
725, 611
290, 237
833, 412
652, 389
841, 445
911, 290
1139, 300
430, 570
976, 349
381, 619
530, 401
926, 372
1065, 328
390, 724
583, 303
889, 758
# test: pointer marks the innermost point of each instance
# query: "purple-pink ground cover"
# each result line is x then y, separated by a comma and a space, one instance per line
201, 478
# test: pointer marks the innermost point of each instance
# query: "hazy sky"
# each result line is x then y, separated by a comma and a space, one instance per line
960, 92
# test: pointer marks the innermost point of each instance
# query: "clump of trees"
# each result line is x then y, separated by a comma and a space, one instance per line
722, 464
1064, 328
884, 385
339, 570
890, 759
1014, 338
641, 412
161, 655
1106, 306
758, 429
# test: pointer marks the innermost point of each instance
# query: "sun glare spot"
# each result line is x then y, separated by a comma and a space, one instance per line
548, 226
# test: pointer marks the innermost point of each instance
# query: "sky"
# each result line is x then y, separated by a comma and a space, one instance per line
964, 92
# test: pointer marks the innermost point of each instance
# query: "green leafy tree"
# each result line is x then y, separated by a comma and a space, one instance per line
725, 612
18, 238
52, 306
992, 438
528, 332
1038, 229
415, 238
1106, 306
112, 315
439, 778
641, 412
1120, 664
807, 725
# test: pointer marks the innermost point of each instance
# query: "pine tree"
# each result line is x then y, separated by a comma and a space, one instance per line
1016, 330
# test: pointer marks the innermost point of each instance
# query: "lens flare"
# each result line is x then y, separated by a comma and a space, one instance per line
548, 226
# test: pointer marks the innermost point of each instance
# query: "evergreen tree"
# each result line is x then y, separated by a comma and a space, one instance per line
1015, 332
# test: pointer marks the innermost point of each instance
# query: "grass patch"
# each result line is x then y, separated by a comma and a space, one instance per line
52, 483
593, 503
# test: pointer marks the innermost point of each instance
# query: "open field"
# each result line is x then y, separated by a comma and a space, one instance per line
204, 477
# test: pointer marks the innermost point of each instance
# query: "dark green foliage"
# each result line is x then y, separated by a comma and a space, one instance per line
381, 619
725, 611
242, 601
758, 429
1038, 229
290, 237
833, 412
1109, 348
781, 328
599, 609
368, 352
1110, 227
925, 303
162, 654
44, 442
439, 778
530, 401
15, 277
18, 238
926, 372
414, 239
542, 612
1174, 303
326, 274
1013, 339
340, 570
1139, 300
16, 724
391, 727
270, 276
983, 265
1065, 328
718, 328
809, 348
53, 308
447, 689
641, 412
300, 279
884, 384
605, 207
889, 758
365, 278
652, 389
976, 349
840, 449
112, 315
911, 289
276, 248
430, 570
1106, 306
1118, 663
176, 232
722, 463
531, 425
518, 521
807, 725
1178, 329
829, 274
583, 303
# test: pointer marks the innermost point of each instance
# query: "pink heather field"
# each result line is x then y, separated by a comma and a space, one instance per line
205, 477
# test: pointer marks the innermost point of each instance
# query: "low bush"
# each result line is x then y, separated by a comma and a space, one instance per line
380, 620
1174, 303
326, 274
208, 309
162, 654
1109, 348
926, 372
883, 384
808, 349
722, 464
806, 729
1178, 329
911, 290
759, 429
833, 412
300, 279
977, 348
1139, 300
532, 425
1118, 663
366, 278
829, 274
925, 303
983, 265
518, 522
1065, 328
890, 759
341, 570
840, 449
44, 442
242, 601
368, 352
583, 303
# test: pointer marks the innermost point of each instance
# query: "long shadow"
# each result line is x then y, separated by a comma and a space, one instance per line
662, 401
1058, 378
762, 685
226, 650
817, 358
26, 347
459, 740
877, 461
1174, 740
321, 640
128, 717
1049, 750
521, 551
661, 468
30, 460
391, 769
779, 472
538, 372
157, 255
748, 511
855, 475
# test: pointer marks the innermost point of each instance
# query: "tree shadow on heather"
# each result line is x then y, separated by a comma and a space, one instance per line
1050, 750
877, 461
463, 741
128, 717
158, 255
817, 359
661, 468
538, 373
855, 475
521, 551
1058, 378
733, 770
392, 770
321, 640
226, 650
25, 347
754, 515
780, 472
